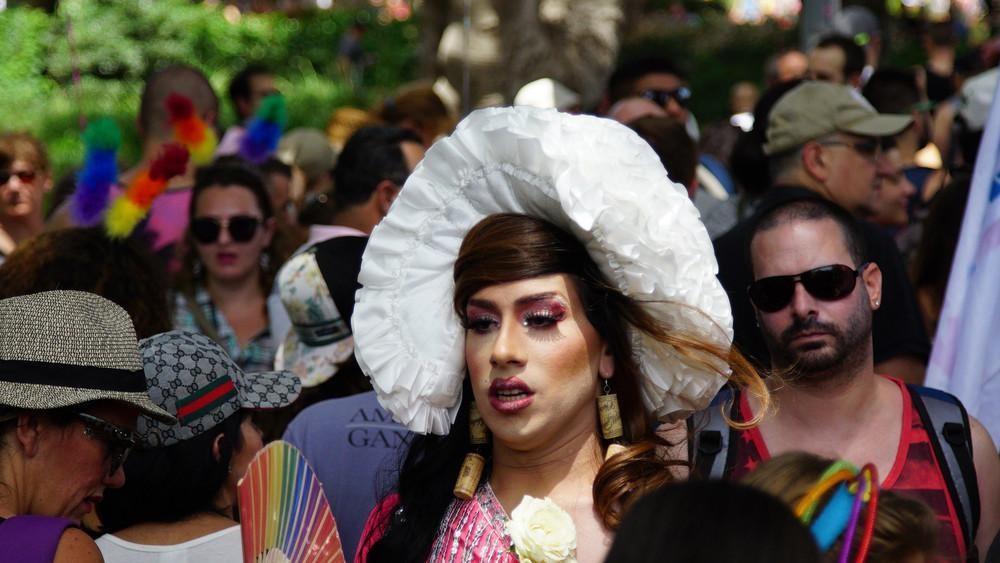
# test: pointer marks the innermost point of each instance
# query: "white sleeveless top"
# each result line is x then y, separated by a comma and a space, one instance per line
224, 546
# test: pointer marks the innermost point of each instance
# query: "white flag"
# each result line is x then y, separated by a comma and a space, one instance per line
965, 360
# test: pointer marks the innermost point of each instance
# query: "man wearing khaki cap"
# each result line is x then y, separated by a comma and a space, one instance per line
823, 142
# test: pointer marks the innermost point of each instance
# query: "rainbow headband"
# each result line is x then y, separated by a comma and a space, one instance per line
851, 488
264, 130
99, 173
190, 130
195, 140
131, 207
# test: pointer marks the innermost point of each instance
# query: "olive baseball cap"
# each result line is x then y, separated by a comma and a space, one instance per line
814, 109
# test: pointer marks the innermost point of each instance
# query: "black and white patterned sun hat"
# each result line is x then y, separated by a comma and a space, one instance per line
194, 379
64, 348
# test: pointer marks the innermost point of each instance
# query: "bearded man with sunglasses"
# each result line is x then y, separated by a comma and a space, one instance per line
823, 142
814, 292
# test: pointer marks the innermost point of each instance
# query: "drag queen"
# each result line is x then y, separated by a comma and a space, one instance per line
539, 298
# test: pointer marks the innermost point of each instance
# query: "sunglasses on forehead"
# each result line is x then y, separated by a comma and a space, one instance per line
118, 442
827, 283
241, 228
660, 97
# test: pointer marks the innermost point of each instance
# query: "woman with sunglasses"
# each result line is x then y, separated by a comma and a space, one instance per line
228, 272
71, 388
179, 503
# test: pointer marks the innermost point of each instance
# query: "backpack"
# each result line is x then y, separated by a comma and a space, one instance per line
942, 415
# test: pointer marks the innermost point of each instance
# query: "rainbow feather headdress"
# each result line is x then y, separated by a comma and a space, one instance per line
131, 207
195, 140
264, 130
99, 173
190, 130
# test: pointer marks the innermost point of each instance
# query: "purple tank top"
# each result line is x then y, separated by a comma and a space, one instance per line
31, 539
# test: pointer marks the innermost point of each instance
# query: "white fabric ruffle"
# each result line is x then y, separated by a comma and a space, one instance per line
592, 177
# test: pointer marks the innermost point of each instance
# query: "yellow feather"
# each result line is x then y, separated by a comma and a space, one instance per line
122, 217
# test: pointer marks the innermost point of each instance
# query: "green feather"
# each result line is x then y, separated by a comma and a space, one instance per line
102, 134
272, 109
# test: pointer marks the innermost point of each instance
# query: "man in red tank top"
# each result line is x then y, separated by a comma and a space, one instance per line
813, 294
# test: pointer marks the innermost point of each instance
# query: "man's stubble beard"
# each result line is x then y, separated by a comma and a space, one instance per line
827, 363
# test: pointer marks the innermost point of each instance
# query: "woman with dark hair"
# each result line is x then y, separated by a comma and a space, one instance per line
178, 503
710, 521
223, 287
535, 263
86, 259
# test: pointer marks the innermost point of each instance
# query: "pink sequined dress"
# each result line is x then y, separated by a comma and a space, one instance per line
472, 531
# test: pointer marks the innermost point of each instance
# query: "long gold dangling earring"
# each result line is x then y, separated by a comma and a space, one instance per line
472, 465
611, 421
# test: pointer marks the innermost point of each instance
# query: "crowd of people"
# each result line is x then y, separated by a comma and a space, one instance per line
537, 334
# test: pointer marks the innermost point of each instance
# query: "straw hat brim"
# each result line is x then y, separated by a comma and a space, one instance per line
41, 397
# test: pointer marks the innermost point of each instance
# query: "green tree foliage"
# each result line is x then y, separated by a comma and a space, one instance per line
90, 57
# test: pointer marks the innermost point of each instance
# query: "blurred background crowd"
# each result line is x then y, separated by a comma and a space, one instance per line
249, 253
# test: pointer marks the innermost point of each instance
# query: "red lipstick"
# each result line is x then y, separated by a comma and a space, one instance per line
510, 396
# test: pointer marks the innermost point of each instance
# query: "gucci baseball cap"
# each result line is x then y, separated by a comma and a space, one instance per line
193, 378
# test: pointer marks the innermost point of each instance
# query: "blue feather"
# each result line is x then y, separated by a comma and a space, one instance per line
93, 186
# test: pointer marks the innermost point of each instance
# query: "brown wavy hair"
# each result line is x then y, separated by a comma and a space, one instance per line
86, 259
510, 247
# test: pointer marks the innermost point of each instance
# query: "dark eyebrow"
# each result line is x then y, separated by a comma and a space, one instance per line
526, 300
482, 303
529, 299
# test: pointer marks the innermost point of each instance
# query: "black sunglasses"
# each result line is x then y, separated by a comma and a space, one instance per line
828, 283
869, 148
660, 97
26, 176
118, 441
242, 228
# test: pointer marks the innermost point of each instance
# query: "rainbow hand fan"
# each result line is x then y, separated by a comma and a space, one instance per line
283, 512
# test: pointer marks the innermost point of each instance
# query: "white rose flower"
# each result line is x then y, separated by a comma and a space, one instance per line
542, 532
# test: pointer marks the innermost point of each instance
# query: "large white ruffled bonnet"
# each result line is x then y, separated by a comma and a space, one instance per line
593, 178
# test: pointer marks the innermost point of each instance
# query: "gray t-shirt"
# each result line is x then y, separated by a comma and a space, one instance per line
354, 447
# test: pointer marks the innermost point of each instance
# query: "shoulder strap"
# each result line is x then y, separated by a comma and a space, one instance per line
711, 436
33, 539
947, 426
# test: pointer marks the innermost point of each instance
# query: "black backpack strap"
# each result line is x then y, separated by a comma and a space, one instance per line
947, 426
712, 436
